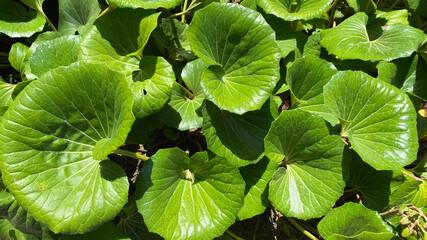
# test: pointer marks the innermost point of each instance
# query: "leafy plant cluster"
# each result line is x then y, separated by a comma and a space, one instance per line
151, 119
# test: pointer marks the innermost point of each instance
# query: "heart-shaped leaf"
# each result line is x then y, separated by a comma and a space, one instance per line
238, 138
76, 13
147, 4
128, 30
182, 109
189, 198
311, 181
257, 176
16, 22
372, 184
306, 78
353, 39
53, 54
291, 11
354, 221
55, 139
241, 47
377, 118
152, 85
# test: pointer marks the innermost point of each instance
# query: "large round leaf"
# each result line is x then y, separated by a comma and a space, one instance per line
238, 138
354, 221
148, 4
306, 78
311, 181
302, 10
76, 13
352, 39
377, 118
241, 47
189, 198
54, 141
15, 21
152, 85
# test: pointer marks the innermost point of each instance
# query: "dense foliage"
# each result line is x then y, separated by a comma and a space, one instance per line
152, 119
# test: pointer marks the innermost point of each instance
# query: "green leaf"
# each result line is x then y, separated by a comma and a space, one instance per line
419, 6
311, 182
182, 111
377, 118
386, 71
54, 53
147, 4
354, 221
8, 231
34, 4
6, 90
152, 85
16, 22
241, 47
17, 56
367, 6
132, 224
288, 10
172, 39
95, 48
238, 138
127, 30
257, 176
372, 184
106, 231
55, 138
76, 13
306, 78
189, 198
353, 39
412, 191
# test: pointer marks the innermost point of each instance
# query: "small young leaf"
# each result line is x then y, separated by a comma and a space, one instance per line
189, 198
17, 56
6, 90
377, 118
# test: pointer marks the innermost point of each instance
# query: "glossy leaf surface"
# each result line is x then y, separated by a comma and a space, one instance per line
54, 140
189, 198
241, 48
377, 118
76, 13
302, 10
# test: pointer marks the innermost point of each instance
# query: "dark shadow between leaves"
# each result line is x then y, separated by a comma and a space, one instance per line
110, 171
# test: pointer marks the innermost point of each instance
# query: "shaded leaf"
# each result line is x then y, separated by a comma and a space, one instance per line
106, 231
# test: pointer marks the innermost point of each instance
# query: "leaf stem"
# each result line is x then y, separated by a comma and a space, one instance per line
305, 232
49, 22
5, 65
394, 4
189, 94
413, 176
4, 54
107, 10
131, 154
184, 10
256, 228
332, 14
234, 235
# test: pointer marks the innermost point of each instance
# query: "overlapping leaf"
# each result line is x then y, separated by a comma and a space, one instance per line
15, 21
147, 4
301, 10
353, 39
354, 221
54, 140
189, 198
241, 48
76, 13
311, 181
238, 138
377, 118
6, 90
